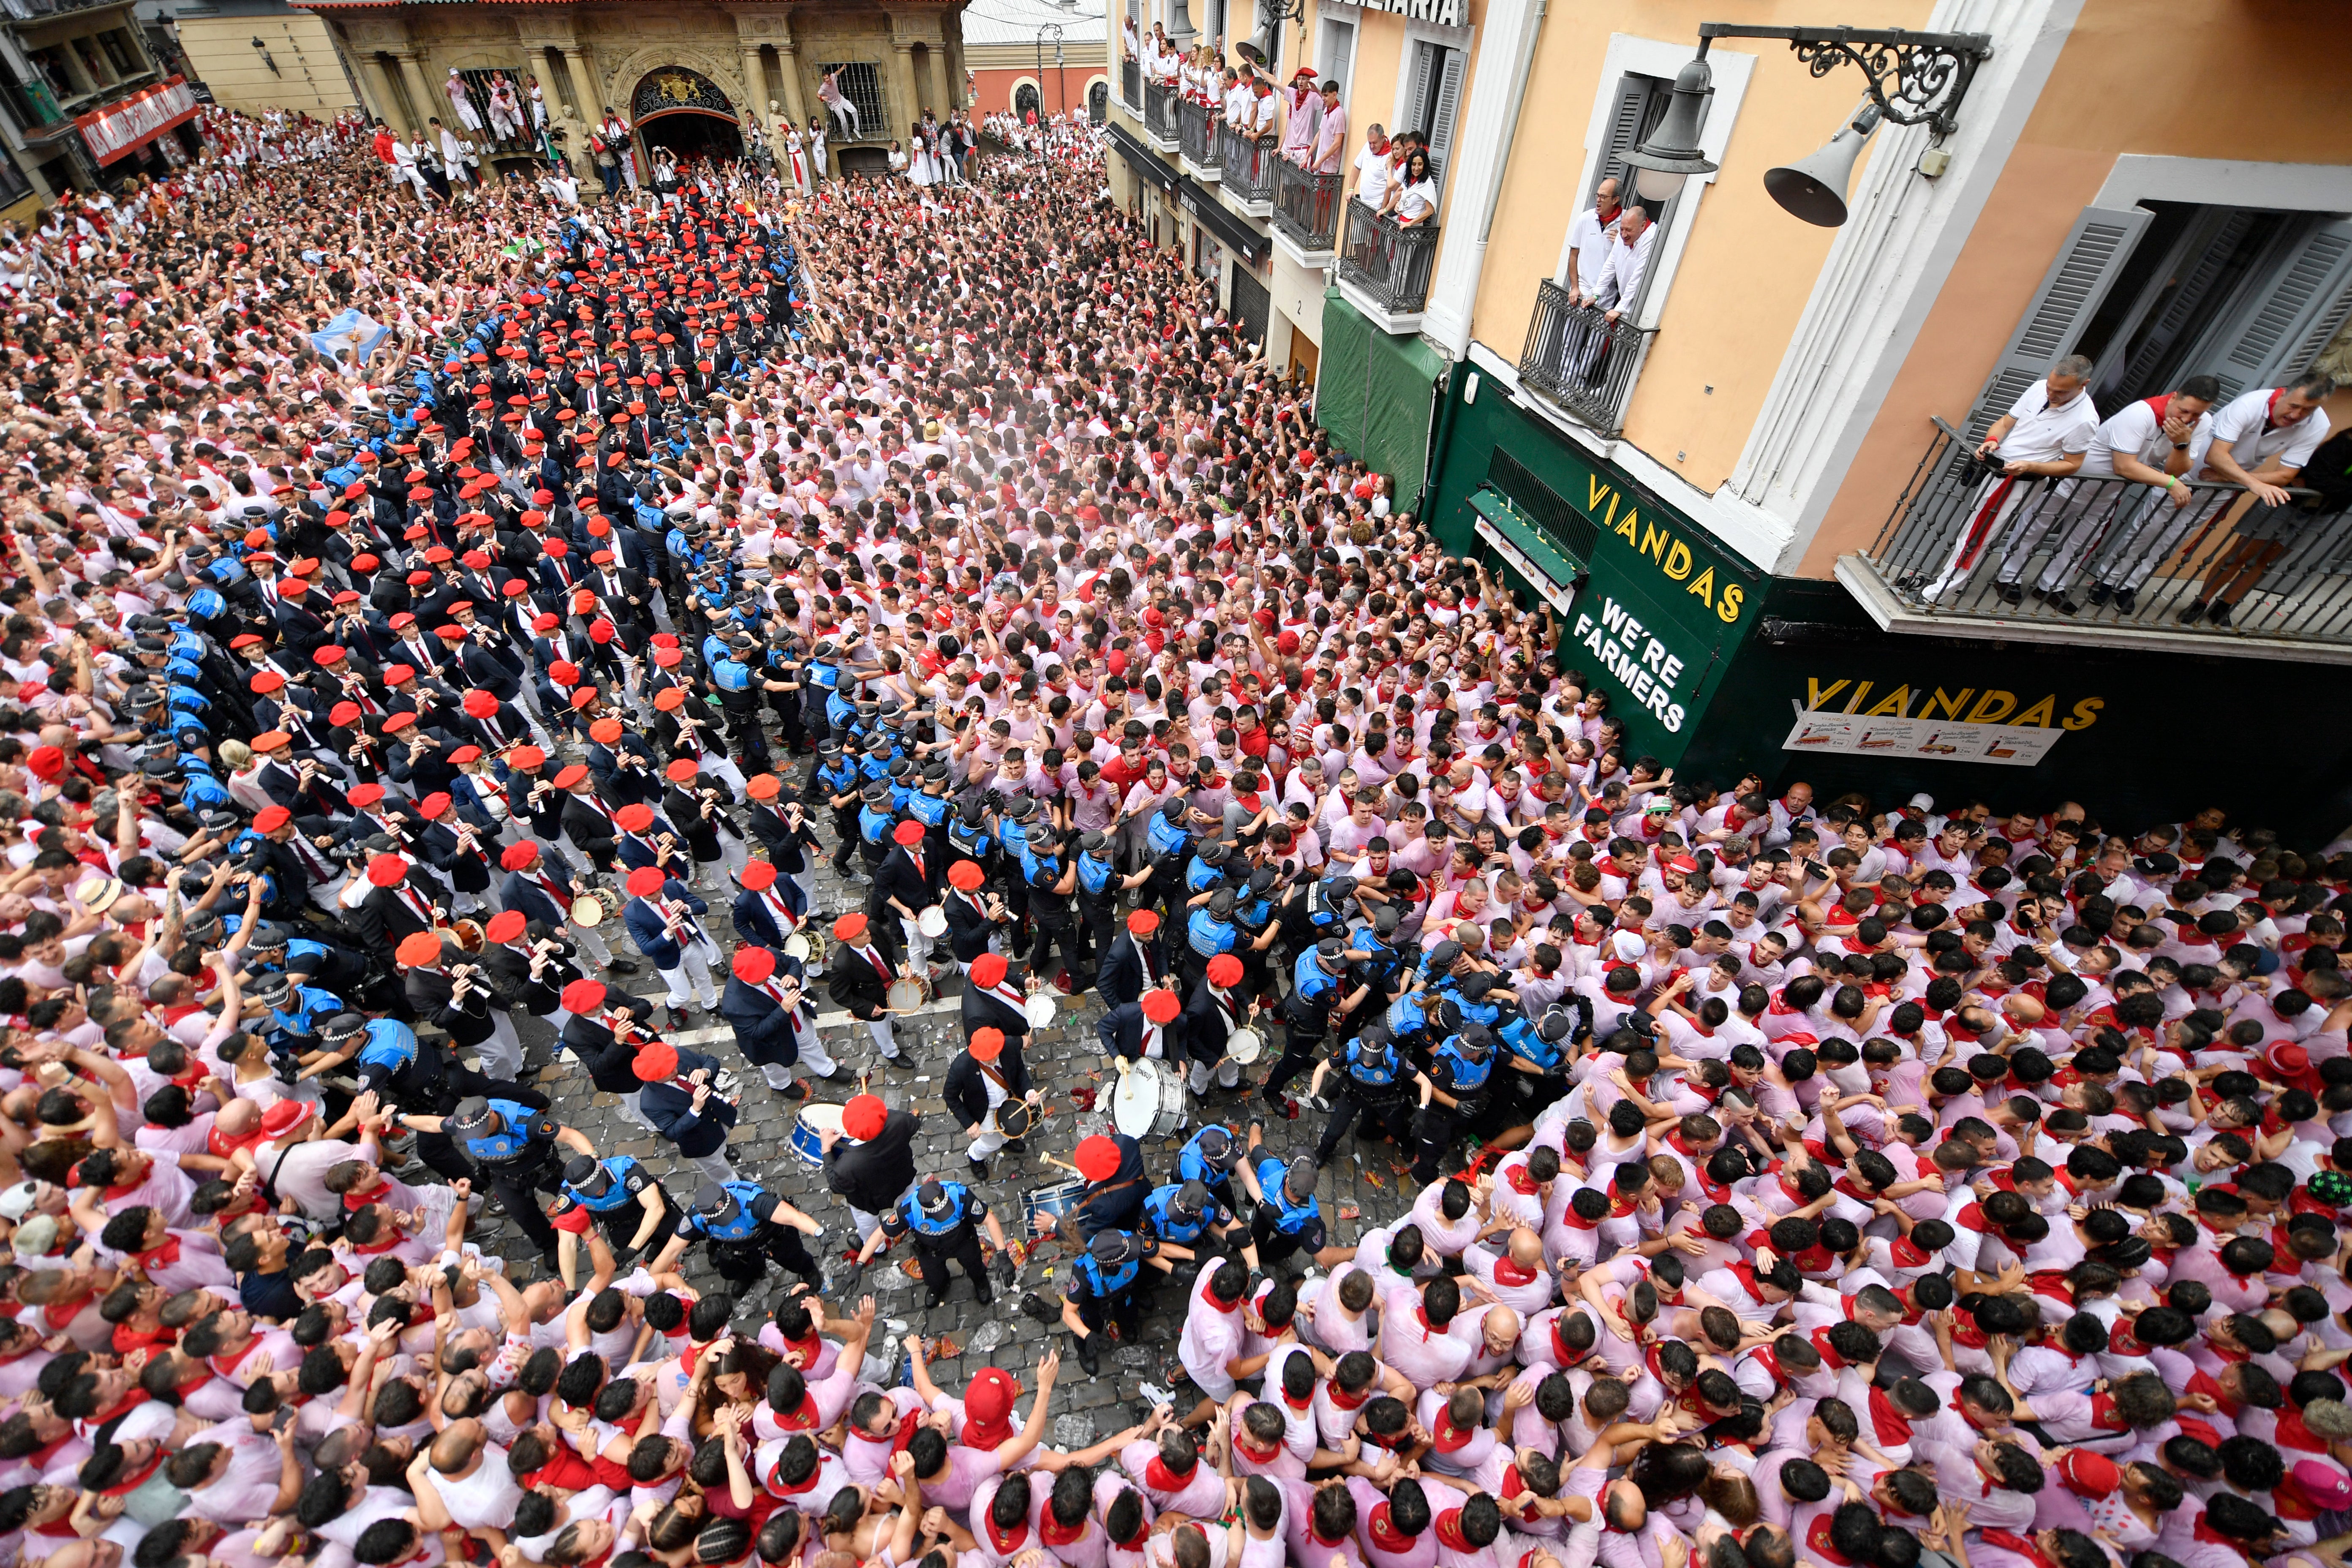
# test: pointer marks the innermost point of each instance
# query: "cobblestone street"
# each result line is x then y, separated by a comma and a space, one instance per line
1366, 1185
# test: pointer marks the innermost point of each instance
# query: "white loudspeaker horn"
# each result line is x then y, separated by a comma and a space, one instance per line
1815, 189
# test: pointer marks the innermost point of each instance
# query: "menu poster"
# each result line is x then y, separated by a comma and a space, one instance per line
1850, 735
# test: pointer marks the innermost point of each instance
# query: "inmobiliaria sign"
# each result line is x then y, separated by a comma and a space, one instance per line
122, 129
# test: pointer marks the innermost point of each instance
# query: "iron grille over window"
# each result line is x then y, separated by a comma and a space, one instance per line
1543, 505
862, 84
479, 84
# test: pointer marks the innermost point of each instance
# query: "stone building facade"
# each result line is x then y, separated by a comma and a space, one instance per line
678, 71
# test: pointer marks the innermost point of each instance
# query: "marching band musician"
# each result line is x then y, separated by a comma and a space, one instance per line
699, 809
770, 908
688, 1104
767, 1003
987, 1073
783, 830
857, 976
908, 884
605, 1030
660, 917
991, 1000
541, 885
1211, 1015
975, 924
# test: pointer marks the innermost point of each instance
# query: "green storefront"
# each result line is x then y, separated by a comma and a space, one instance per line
1721, 670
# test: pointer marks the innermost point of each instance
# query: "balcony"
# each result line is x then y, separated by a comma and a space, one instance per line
1130, 86
1385, 267
2103, 563
1159, 115
1247, 165
1580, 362
1196, 139
1306, 211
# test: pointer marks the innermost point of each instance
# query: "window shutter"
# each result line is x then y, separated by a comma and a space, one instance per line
2191, 295
1620, 134
1449, 105
1416, 98
2086, 265
2292, 320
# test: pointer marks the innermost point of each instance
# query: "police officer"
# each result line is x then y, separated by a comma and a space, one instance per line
1541, 1044
745, 1227
1167, 840
970, 837
1209, 1158
1209, 930
1014, 826
1319, 988
738, 699
1050, 885
1183, 1216
877, 815
1375, 1080
943, 1220
835, 786
406, 1075
622, 1198
1100, 885
513, 1146
1098, 1292
1461, 1073
1287, 1218
1382, 972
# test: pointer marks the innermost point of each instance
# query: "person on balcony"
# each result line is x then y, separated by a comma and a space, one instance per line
1589, 235
1324, 158
1265, 110
2044, 434
1373, 169
1302, 117
1236, 104
1413, 201
2261, 440
2156, 442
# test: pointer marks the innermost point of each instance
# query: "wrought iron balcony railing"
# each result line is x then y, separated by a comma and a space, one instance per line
1247, 164
1966, 543
1160, 111
1196, 134
1131, 85
1306, 206
1579, 361
1390, 261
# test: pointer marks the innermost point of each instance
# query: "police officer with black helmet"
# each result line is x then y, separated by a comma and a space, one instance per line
943, 1220
745, 1227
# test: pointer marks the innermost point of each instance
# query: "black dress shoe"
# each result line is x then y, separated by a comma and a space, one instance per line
2127, 600
622, 966
2219, 614
2194, 613
2065, 606
2098, 594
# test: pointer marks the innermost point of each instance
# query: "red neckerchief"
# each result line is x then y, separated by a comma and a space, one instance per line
2291, 1432
1385, 1534
356, 1200
802, 1418
1817, 1538
1158, 1478
777, 1483
1056, 1534
1523, 1183
2103, 1414
2209, 1535
1509, 1270
1447, 1439
1342, 1400
1449, 1531
1004, 1542
2021, 1544
1892, 1426
1830, 1358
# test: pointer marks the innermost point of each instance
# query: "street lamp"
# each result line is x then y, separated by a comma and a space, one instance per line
1915, 79
1056, 29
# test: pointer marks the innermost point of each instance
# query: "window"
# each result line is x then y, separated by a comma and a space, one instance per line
1640, 102
1025, 100
1208, 257
1335, 52
862, 85
1432, 101
121, 52
1099, 102
2158, 293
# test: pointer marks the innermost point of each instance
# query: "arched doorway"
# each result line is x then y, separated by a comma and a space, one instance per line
1026, 101
1099, 102
686, 111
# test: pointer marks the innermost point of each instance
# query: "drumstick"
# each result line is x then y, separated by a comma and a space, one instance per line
1064, 1163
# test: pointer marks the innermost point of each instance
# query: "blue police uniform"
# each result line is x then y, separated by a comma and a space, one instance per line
950, 1235
1167, 1226
743, 1245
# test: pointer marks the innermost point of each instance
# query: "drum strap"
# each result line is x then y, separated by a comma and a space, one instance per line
1115, 1187
993, 1076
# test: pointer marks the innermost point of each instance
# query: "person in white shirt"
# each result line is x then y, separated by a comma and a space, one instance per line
1590, 236
2044, 434
2154, 442
1372, 168
2261, 440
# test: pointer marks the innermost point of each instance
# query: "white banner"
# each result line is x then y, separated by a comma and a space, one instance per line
1557, 594
116, 128
1853, 735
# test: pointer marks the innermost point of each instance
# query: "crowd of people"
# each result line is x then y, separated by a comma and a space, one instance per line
1833, 1181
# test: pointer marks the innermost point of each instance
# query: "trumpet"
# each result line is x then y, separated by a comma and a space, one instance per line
539, 788
674, 919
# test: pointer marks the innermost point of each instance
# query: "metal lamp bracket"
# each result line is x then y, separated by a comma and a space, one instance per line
1915, 78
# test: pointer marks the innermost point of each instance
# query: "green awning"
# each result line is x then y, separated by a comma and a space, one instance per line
1540, 547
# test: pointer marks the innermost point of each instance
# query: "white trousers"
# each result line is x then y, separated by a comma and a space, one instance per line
919, 946
1228, 1075
886, 1040
867, 1223
845, 113
592, 943
694, 968
714, 1167
502, 1052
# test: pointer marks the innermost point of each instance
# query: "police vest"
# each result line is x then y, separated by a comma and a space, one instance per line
910, 1209
507, 1146
1468, 1075
971, 841
1094, 875
729, 675
837, 778
390, 1044
1208, 935
1405, 1017
1191, 1165
1200, 877
1523, 1039
1308, 981
616, 1194
1372, 1069
1290, 1218
930, 810
1105, 1286
745, 1224
1166, 1225
1166, 837
873, 826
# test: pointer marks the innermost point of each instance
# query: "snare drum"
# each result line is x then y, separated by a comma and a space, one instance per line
1052, 1202
587, 910
807, 1132
797, 946
908, 993
1244, 1045
932, 922
1150, 1101
1038, 1010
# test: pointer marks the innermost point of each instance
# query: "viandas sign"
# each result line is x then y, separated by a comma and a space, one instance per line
1656, 624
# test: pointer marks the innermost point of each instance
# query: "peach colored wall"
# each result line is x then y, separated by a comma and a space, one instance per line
1748, 268
2119, 87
